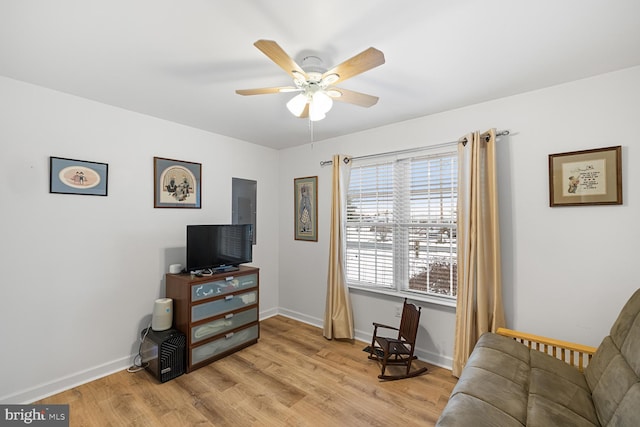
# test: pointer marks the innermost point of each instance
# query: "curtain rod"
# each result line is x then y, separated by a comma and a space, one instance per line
409, 150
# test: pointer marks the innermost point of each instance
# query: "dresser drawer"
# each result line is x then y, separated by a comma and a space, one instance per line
227, 342
228, 285
223, 305
224, 324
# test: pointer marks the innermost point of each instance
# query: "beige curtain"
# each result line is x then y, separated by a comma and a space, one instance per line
338, 316
479, 307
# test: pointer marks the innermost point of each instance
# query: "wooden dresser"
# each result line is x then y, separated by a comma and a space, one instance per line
218, 313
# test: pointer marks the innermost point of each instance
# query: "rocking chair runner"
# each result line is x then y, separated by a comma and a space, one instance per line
398, 351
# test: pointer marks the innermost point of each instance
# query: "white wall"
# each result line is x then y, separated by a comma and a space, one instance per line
80, 273
566, 271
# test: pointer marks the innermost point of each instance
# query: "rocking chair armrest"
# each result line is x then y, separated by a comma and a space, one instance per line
380, 325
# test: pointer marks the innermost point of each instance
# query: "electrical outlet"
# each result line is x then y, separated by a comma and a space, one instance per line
398, 311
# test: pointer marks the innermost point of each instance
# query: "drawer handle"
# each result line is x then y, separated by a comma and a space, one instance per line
229, 335
228, 278
228, 297
228, 316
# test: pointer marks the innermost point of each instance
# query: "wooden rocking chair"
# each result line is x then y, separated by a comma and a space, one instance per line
398, 351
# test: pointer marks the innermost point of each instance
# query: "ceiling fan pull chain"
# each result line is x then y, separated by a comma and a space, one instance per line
311, 130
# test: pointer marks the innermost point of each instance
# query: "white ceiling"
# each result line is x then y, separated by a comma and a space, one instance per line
182, 60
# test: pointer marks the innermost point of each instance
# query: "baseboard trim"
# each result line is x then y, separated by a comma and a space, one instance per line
268, 313
44, 390
365, 337
426, 356
313, 321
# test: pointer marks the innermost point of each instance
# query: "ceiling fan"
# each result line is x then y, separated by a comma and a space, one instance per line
316, 85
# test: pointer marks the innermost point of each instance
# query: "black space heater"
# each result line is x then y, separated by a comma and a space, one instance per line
164, 353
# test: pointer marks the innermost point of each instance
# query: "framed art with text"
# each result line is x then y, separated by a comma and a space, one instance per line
69, 176
587, 177
176, 183
305, 193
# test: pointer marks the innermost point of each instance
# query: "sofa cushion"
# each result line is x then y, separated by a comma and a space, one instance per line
503, 357
628, 411
463, 410
611, 378
558, 368
495, 381
614, 371
627, 322
558, 394
546, 413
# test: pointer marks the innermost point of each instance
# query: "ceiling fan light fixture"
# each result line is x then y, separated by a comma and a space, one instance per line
322, 101
297, 103
316, 113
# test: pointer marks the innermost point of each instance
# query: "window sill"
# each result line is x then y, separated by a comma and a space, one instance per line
430, 299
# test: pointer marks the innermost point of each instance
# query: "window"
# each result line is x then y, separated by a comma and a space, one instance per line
401, 225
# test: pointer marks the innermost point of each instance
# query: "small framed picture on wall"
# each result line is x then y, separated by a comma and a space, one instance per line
176, 183
69, 176
305, 193
587, 177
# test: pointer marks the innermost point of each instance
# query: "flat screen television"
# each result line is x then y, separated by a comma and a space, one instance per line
218, 247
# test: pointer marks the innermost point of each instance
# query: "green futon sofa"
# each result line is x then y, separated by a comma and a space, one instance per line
506, 383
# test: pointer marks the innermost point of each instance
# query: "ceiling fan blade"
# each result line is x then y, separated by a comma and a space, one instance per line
267, 90
279, 56
352, 97
305, 112
358, 64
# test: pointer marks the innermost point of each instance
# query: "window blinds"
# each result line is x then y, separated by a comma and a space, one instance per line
401, 224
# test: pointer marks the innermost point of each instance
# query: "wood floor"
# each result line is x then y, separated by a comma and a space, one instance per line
292, 377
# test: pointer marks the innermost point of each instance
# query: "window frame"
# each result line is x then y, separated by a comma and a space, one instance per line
401, 288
